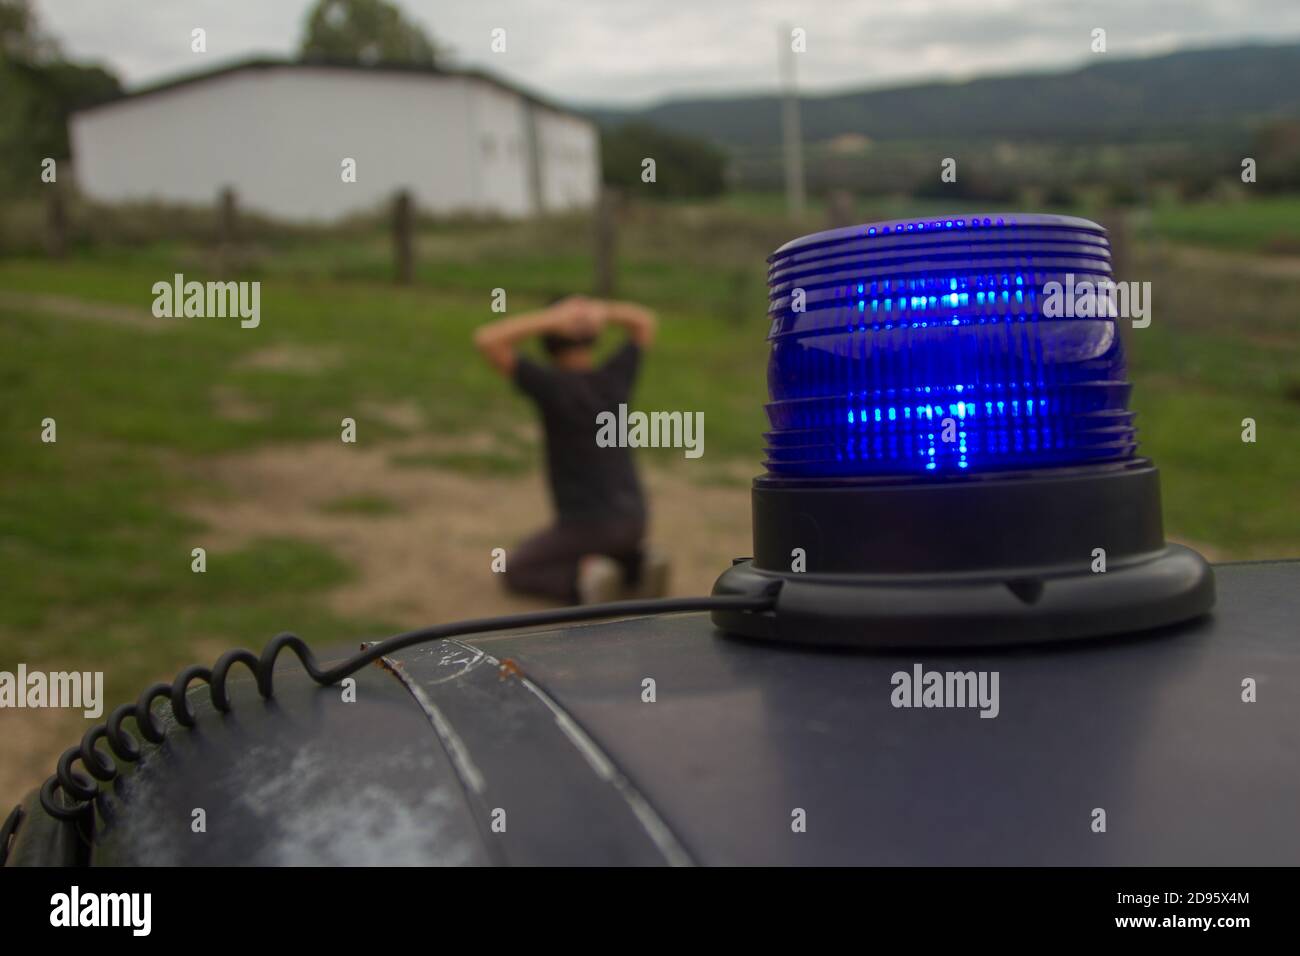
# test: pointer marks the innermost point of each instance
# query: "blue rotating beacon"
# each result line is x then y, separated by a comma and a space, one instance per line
951, 459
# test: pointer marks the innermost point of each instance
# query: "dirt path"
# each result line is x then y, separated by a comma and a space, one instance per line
69, 307
430, 560
1236, 263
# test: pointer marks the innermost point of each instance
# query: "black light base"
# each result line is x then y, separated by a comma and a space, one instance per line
1010, 558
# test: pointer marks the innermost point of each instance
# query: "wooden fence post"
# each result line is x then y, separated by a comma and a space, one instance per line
227, 230
56, 223
840, 209
606, 239
403, 255
1117, 227
1116, 223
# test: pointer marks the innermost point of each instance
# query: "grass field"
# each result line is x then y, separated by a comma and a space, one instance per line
1263, 225
95, 540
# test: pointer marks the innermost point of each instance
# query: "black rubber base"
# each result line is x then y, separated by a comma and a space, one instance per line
1003, 559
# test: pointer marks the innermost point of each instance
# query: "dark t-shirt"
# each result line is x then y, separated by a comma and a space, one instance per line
588, 483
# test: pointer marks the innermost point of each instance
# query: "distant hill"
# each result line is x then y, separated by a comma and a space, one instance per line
1219, 94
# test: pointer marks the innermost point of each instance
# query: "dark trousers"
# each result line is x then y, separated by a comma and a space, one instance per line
546, 564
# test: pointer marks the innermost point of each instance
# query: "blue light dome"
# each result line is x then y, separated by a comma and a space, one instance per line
920, 347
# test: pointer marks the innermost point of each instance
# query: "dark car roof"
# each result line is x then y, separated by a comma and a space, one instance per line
544, 747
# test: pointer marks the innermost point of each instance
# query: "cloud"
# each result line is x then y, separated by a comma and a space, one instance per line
638, 51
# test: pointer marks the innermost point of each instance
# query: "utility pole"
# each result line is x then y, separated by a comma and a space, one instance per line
791, 136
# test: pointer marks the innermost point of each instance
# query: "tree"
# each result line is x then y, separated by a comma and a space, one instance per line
20, 40
364, 31
684, 166
38, 91
1276, 148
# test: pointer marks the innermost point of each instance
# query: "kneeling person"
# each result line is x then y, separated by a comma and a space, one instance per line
594, 551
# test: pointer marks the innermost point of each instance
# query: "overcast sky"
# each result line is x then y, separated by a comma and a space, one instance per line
633, 52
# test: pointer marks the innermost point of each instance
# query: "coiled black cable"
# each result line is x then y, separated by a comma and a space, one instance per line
8, 829
70, 782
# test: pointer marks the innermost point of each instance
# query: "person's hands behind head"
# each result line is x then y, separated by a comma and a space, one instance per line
639, 321
582, 317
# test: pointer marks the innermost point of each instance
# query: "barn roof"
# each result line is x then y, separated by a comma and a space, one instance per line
268, 63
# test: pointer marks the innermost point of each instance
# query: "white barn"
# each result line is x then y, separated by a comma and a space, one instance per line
278, 134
